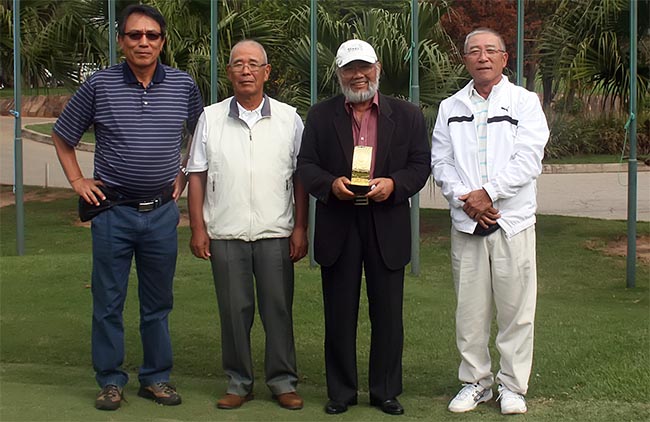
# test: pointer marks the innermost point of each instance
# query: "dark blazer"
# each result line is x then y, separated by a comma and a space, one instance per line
403, 154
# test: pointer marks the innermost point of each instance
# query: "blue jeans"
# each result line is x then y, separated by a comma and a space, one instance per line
118, 234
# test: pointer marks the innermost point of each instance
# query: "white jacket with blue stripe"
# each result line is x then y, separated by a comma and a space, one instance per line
517, 133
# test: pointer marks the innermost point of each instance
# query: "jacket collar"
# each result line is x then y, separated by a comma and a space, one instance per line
464, 94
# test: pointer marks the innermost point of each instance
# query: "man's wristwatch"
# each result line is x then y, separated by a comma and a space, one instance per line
184, 170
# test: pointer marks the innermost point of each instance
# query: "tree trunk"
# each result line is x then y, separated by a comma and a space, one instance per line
547, 86
530, 71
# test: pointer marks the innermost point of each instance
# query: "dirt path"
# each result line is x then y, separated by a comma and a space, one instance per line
7, 197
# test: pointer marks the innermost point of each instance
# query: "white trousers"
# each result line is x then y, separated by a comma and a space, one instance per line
500, 270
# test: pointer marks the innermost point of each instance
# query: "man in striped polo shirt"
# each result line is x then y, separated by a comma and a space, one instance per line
140, 110
486, 153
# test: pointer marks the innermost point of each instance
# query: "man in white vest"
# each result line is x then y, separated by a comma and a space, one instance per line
248, 215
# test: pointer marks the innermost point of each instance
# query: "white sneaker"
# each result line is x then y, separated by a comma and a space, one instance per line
469, 397
511, 403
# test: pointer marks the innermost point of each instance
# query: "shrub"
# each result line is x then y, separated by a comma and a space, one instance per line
578, 135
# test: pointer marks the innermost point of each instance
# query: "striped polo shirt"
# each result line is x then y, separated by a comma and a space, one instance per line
138, 130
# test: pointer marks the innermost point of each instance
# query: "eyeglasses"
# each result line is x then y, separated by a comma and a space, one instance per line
350, 70
137, 35
252, 67
476, 53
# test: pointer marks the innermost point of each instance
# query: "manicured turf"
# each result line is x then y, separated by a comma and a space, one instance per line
591, 355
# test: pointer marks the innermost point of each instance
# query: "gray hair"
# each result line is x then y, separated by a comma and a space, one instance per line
248, 41
502, 45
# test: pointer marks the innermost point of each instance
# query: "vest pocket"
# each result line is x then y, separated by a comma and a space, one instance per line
212, 193
288, 191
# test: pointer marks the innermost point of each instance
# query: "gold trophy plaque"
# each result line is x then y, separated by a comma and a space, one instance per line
361, 163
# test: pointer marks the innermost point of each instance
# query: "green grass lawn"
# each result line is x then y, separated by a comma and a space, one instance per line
592, 346
46, 129
26, 92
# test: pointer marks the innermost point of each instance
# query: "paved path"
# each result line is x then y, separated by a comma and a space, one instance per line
598, 195
40, 164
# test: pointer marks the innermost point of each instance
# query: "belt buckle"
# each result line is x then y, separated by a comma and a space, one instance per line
360, 200
147, 206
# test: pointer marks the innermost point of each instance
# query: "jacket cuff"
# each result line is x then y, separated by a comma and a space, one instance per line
491, 191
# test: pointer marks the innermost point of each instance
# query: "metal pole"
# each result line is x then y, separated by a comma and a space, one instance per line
520, 42
313, 90
632, 162
214, 51
415, 99
112, 39
18, 140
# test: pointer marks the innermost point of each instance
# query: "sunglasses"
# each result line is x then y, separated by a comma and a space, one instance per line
137, 35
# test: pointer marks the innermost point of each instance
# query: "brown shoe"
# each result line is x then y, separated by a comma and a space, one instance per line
109, 398
291, 401
233, 401
160, 392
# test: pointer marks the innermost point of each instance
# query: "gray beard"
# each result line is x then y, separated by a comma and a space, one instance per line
360, 96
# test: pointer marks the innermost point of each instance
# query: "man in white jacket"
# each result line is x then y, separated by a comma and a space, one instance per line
486, 154
242, 195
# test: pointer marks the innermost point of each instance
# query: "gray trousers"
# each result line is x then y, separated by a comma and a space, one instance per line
240, 270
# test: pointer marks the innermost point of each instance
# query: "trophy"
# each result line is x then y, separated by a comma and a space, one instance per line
361, 163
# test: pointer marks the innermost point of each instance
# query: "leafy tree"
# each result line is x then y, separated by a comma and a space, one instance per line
501, 15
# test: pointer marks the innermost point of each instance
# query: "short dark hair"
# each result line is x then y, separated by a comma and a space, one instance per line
141, 9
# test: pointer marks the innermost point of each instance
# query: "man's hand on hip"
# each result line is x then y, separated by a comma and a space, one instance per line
88, 189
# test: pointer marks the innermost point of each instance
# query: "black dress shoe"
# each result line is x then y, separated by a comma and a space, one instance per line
390, 406
335, 407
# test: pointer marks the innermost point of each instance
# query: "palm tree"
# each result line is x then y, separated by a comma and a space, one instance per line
389, 32
59, 36
585, 51
56, 37
189, 35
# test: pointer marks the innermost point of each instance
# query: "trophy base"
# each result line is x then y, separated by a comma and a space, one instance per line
359, 189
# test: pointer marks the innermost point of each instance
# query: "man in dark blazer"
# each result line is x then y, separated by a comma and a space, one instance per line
369, 231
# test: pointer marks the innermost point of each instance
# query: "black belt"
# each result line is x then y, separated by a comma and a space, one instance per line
146, 205
480, 231
113, 199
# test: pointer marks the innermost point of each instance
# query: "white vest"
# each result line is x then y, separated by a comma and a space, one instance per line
249, 191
